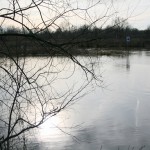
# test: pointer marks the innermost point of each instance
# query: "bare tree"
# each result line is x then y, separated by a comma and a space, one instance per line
121, 23
28, 93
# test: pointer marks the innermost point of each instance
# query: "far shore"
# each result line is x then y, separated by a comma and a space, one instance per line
76, 52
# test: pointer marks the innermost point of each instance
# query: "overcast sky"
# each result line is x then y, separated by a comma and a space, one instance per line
137, 12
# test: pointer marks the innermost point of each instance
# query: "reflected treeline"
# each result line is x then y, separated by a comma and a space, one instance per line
128, 61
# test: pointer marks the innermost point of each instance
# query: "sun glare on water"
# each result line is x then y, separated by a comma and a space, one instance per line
53, 128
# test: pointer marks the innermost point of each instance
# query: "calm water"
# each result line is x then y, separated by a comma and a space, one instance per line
113, 117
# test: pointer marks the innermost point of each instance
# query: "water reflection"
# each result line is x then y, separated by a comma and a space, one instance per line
147, 53
116, 117
128, 62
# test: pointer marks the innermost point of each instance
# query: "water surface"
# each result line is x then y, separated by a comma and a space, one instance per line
115, 116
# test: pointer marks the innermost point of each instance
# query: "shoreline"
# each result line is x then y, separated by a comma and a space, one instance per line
83, 52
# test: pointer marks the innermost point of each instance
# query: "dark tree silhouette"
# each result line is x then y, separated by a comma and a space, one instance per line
28, 95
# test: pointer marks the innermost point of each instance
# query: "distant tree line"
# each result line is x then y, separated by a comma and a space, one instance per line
84, 37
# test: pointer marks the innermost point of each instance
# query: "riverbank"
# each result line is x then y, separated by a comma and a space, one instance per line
35, 46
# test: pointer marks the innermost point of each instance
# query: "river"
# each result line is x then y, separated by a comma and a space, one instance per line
114, 116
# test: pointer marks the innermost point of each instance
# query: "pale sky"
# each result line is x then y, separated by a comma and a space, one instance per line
137, 12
